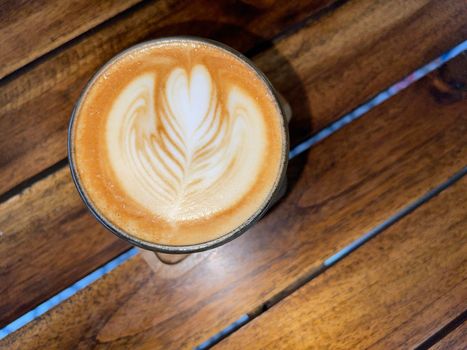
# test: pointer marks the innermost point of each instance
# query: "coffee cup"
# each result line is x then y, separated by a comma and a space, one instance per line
179, 145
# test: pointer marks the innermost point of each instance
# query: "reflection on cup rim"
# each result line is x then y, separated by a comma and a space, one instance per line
183, 249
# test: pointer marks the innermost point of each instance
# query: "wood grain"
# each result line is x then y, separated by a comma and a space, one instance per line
324, 70
457, 339
38, 101
48, 241
33, 28
352, 181
391, 293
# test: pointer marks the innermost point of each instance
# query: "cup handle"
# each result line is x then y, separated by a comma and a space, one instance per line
170, 259
285, 106
173, 266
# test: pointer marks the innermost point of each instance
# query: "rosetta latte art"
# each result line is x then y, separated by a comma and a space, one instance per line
184, 146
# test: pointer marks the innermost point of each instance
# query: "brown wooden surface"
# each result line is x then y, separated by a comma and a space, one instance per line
325, 69
352, 181
30, 29
391, 293
39, 100
48, 241
32, 265
456, 339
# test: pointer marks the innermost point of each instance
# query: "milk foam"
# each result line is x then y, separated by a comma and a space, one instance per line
180, 150
178, 142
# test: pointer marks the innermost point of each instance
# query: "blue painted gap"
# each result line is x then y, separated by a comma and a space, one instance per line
244, 319
302, 147
393, 219
66, 293
378, 99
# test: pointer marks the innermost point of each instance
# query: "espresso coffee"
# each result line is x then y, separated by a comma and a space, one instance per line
178, 142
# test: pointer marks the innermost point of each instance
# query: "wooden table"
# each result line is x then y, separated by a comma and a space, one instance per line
390, 184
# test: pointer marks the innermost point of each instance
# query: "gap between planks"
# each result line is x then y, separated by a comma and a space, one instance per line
443, 332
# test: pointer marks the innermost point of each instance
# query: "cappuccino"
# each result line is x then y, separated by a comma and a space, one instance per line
178, 142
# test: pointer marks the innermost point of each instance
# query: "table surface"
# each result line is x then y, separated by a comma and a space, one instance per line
368, 247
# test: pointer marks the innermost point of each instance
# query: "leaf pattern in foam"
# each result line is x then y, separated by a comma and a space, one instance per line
180, 149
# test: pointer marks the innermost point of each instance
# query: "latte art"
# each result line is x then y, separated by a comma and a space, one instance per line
178, 142
178, 152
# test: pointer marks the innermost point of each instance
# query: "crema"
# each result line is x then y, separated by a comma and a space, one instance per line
178, 142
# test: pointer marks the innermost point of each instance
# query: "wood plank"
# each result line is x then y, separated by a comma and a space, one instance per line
38, 101
457, 339
325, 70
48, 241
392, 293
33, 28
343, 187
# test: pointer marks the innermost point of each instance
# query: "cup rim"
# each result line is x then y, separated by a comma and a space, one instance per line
191, 248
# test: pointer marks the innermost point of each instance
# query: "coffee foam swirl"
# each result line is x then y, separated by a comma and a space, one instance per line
178, 142
181, 148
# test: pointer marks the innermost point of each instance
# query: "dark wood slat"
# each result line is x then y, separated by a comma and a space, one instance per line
391, 293
328, 68
33, 28
346, 185
457, 339
39, 100
48, 241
